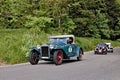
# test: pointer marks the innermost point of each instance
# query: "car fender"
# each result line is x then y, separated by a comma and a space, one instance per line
33, 49
64, 53
36, 49
78, 50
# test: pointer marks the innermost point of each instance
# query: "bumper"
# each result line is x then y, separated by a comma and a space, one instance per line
100, 52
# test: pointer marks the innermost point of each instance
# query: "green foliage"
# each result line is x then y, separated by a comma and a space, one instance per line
87, 18
11, 46
16, 43
67, 24
100, 22
118, 1
113, 13
41, 23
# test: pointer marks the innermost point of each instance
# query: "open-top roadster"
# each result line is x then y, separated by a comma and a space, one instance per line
59, 48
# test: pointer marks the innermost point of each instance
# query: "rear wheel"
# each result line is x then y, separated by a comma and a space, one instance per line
33, 57
112, 51
79, 58
58, 57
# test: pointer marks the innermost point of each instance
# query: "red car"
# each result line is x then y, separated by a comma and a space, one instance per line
101, 48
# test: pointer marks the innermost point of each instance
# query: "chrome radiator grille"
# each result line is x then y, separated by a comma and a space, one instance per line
45, 51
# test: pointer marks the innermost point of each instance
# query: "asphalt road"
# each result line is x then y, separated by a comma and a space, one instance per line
92, 67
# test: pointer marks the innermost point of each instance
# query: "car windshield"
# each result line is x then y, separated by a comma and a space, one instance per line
56, 40
108, 44
101, 45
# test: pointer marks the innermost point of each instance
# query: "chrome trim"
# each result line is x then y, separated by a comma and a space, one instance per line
45, 57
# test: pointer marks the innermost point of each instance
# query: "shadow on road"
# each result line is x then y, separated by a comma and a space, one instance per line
64, 62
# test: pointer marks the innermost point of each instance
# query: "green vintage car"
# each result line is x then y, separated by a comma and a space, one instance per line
59, 48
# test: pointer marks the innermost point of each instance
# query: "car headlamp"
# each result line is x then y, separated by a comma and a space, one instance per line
51, 46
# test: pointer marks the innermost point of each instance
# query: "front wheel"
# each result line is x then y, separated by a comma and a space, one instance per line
33, 57
79, 58
58, 57
105, 53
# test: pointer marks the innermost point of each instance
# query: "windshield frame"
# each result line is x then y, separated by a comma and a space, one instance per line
58, 40
101, 45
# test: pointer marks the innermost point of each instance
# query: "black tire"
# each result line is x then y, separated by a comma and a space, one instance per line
79, 58
112, 51
33, 57
58, 57
95, 53
105, 53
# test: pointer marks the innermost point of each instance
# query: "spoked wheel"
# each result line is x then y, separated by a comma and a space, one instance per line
79, 58
33, 57
58, 57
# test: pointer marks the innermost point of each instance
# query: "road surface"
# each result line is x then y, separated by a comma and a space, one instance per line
92, 67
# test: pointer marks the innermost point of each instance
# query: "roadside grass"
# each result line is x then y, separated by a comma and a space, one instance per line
10, 46
15, 44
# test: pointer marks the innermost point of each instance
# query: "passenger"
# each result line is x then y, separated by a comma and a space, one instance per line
70, 41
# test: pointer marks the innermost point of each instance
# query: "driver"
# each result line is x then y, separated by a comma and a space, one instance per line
69, 40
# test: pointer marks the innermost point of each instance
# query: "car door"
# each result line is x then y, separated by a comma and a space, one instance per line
71, 50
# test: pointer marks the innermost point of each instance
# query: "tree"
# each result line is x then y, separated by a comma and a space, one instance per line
87, 18
101, 24
82, 15
39, 23
113, 14
67, 24
5, 13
